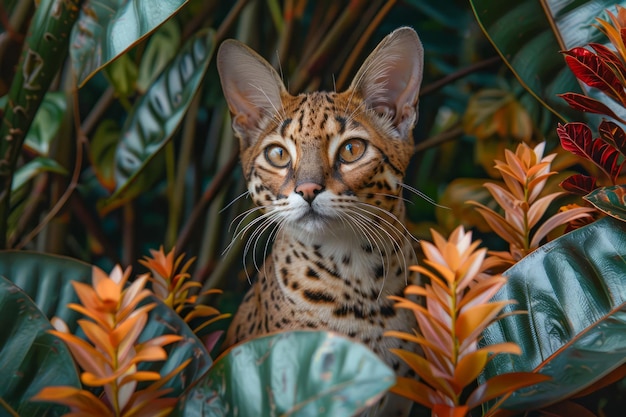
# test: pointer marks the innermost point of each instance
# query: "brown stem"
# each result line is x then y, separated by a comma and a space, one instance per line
432, 87
439, 139
216, 185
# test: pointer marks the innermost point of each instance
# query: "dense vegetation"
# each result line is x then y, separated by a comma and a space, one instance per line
115, 141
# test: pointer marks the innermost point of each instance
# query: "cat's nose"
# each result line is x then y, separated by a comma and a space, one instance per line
309, 190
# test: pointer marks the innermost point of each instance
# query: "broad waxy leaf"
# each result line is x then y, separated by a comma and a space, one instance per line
157, 114
610, 200
30, 358
47, 279
107, 28
294, 373
524, 34
571, 325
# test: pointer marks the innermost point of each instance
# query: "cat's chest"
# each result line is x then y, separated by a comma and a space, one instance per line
341, 281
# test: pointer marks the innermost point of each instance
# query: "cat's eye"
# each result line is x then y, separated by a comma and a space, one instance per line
277, 156
352, 150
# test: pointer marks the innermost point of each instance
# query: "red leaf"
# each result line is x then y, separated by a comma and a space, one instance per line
577, 139
579, 184
587, 104
594, 72
614, 135
610, 58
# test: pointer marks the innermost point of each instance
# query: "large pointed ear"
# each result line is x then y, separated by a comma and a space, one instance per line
251, 86
389, 80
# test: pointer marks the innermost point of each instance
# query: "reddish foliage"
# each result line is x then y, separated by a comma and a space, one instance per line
577, 139
595, 72
579, 184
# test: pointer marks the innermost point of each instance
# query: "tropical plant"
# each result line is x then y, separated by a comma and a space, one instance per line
457, 310
111, 358
114, 140
525, 174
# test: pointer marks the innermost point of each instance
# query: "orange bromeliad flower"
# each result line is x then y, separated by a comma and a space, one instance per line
171, 283
525, 174
110, 360
456, 312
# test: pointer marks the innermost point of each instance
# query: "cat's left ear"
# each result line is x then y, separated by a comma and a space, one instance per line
389, 80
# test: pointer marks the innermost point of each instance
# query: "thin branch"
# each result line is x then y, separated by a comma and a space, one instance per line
439, 139
73, 182
216, 185
431, 88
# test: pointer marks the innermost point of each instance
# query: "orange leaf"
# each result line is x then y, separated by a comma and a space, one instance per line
444, 410
98, 337
481, 292
469, 367
78, 400
499, 225
86, 355
424, 370
416, 391
503, 384
473, 321
415, 338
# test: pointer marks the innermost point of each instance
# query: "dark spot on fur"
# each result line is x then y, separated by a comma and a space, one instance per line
318, 296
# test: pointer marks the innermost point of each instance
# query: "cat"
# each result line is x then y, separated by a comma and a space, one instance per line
325, 169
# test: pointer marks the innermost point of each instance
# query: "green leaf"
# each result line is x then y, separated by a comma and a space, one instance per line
102, 152
44, 52
47, 279
30, 358
610, 200
294, 373
157, 115
526, 33
122, 74
46, 124
32, 168
160, 50
107, 28
571, 321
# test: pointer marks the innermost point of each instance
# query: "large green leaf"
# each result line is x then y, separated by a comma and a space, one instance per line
295, 373
571, 299
158, 113
47, 279
108, 28
30, 358
529, 34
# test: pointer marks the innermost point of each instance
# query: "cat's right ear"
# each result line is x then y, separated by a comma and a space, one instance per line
251, 86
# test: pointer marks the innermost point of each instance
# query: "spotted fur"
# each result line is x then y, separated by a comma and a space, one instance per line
325, 171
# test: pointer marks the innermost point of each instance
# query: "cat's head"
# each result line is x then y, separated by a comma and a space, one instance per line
325, 158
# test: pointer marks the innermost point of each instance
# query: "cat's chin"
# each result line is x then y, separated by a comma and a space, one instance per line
315, 224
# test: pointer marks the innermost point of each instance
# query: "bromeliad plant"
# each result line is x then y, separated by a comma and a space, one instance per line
525, 174
115, 319
171, 283
456, 312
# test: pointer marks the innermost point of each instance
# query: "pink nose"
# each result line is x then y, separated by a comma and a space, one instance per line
309, 190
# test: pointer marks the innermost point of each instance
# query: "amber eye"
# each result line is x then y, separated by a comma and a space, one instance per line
277, 156
352, 150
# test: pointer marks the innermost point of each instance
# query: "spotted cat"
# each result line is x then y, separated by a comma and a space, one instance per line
325, 169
